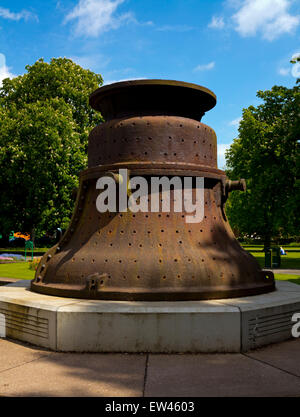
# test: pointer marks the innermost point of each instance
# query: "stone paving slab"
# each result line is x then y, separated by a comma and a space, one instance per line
71, 375
285, 356
14, 354
26, 370
220, 375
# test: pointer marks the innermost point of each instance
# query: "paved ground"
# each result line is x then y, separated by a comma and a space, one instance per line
285, 271
4, 281
29, 371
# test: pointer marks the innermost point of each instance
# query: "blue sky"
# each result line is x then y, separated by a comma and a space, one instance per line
233, 47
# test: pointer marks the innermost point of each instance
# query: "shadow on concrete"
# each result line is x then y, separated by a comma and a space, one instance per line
75, 375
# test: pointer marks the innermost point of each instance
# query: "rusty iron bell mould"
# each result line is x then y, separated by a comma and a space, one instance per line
152, 129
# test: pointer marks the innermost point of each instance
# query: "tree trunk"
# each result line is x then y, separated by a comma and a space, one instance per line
32, 235
267, 241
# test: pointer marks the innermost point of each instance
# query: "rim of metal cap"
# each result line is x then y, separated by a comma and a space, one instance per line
202, 97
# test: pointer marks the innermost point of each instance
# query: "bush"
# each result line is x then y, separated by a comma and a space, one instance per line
33, 265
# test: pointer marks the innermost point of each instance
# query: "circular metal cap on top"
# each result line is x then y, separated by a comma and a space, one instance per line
152, 97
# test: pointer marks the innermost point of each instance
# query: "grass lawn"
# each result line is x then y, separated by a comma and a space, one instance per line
18, 270
289, 261
295, 279
21, 251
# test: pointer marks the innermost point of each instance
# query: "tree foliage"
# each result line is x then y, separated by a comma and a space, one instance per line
266, 154
45, 119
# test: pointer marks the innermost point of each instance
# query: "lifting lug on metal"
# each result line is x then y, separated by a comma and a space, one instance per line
239, 185
235, 185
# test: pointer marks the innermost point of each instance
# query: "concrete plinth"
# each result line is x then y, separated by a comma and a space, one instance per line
66, 324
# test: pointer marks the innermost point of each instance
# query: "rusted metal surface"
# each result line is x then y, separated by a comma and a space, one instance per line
152, 129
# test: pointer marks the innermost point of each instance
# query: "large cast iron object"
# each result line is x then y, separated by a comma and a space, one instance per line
152, 129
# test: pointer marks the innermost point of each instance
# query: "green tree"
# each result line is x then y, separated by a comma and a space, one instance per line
266, 154
45, 119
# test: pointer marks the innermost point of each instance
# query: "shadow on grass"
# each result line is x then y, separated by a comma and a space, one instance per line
295, 281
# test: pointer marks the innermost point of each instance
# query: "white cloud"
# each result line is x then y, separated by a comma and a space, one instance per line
4, 70
92, 62
205, 67
217, 23
24, 14
175, 28
284, 71
221, 154
93, 17
295, 56
271, 18
293, 70
235, 122
296, 66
